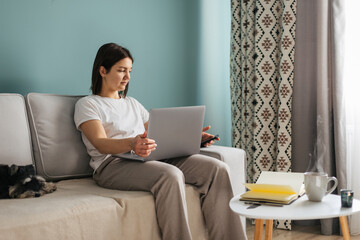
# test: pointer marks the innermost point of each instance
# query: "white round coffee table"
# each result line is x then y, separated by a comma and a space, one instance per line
301, 209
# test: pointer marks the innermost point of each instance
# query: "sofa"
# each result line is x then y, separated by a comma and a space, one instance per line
39, 129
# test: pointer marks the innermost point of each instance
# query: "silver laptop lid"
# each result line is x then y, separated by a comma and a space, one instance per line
176, 131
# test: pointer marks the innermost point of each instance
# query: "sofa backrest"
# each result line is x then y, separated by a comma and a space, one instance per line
15, 140
59, 152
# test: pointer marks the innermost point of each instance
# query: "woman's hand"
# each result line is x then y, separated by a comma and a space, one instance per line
206, 136
143, 146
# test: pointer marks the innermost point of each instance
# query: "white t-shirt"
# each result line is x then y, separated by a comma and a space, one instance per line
121, 118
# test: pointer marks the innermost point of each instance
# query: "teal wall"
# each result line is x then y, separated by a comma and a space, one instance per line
180, 49
214, 66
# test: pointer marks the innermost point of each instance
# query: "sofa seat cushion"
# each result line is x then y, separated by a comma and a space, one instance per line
60, 215
138, 216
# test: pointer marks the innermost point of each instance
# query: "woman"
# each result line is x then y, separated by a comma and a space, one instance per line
111, 122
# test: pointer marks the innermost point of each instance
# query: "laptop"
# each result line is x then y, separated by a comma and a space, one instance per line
177, 132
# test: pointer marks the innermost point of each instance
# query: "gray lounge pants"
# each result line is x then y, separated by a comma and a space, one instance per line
166, 181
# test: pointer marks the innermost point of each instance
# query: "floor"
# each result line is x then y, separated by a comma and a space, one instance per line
297, 232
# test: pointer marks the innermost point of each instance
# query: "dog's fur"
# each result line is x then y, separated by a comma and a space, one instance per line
21, 182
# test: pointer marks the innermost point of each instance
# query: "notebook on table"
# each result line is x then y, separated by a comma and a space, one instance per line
275, 188
177, 132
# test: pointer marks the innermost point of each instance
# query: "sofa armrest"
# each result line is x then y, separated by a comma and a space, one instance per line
235, 158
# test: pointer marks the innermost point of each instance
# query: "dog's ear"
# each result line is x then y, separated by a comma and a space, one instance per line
29, 169
4, 171
13, 169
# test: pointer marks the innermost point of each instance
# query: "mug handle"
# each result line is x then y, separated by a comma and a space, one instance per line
333, 187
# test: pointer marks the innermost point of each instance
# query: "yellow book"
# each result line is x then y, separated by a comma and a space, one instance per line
275, 187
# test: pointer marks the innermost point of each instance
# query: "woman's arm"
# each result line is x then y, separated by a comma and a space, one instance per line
95, 132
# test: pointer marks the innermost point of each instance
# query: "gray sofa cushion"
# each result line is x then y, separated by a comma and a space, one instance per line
15, 141
59, 152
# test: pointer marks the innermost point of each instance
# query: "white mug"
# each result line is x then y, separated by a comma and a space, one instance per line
316, 185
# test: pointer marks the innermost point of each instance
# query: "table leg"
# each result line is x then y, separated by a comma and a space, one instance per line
344, 227
269, 229
259, 223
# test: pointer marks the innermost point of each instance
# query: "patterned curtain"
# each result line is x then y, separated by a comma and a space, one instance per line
262, 72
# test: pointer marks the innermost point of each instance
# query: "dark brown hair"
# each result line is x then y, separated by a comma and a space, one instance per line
107, 55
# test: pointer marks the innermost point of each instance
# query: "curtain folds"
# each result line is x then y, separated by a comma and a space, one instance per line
318, 104
303, 117
262, 72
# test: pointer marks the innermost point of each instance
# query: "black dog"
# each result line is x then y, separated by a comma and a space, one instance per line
21, 182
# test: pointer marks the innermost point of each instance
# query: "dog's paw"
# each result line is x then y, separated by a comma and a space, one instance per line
30, 194
49, 187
